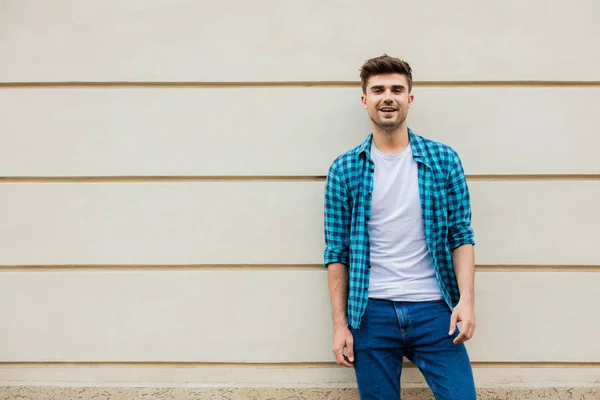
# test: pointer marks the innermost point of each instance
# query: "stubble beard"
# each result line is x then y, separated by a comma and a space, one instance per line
388, 127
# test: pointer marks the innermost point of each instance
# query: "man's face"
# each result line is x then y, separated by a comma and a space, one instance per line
387, 100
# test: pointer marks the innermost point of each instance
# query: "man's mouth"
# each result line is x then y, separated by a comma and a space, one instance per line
387, 109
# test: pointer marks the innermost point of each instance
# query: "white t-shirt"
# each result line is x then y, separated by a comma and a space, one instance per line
401, 267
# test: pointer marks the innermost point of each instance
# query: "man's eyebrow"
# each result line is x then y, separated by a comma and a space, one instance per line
374, 87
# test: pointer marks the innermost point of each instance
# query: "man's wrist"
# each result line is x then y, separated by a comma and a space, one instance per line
340, 325
467, 298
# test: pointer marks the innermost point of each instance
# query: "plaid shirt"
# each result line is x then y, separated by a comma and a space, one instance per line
445, 206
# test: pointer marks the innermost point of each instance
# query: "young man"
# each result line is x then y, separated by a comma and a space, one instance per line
399, 249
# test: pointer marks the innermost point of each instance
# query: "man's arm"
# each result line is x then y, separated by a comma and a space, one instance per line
464, 266
337, 274
461, 239
337, 238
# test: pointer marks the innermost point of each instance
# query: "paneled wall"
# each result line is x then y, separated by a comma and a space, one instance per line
161, 185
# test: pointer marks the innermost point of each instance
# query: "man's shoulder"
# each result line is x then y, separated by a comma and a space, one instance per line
435, 150
346, 161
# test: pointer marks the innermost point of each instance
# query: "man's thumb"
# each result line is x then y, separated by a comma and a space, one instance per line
350, 352
453, 322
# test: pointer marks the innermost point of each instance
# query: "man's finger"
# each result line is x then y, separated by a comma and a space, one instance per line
466, 334
345, 363
350, 346
472, 330
461, 338
340, 358
453, 322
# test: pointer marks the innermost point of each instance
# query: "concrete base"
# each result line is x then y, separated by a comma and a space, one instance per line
212, 393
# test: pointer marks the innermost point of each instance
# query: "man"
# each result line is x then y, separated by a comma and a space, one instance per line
399, 249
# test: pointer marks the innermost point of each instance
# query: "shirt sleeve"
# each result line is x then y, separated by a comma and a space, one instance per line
460, 231
337, 219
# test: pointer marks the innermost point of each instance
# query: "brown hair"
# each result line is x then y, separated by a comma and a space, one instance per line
384, 65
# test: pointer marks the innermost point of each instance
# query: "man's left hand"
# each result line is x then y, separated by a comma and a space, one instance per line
463, 312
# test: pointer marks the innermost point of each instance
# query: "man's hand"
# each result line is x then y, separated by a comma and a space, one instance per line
463, 312
342, 338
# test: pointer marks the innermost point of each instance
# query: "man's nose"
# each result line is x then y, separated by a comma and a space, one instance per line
387, 96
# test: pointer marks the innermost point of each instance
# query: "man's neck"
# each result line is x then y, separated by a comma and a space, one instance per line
391, 142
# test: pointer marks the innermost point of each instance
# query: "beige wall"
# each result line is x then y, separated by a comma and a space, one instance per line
161, 187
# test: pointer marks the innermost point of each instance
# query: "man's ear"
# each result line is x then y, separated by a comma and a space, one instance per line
363, 100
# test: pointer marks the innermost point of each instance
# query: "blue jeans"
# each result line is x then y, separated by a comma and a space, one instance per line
390, 330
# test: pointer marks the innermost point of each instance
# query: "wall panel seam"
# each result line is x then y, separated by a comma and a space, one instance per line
274, 178
290, 84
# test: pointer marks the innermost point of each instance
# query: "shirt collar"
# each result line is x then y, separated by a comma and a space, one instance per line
365, 147
417, 145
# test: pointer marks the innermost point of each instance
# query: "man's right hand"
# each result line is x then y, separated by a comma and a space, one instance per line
342, 338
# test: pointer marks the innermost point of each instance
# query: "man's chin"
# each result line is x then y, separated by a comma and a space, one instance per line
386, 125
389, 125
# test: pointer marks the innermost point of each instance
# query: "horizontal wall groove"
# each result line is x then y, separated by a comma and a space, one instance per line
266, 267
479, 364
284, 84
534, 177
272, 178
156, 267
538, 268
156, 178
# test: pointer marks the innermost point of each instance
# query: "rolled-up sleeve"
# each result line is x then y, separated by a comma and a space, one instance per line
460, 231
337, 218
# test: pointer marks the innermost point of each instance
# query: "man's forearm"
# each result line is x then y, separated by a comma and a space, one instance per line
464, 266
337, 274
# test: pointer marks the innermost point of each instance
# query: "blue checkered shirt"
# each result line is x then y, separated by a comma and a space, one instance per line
445, 206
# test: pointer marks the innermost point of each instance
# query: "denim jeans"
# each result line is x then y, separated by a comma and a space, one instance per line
418, 331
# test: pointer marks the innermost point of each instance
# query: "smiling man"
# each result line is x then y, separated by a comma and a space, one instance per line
399, 249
